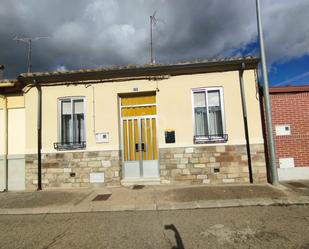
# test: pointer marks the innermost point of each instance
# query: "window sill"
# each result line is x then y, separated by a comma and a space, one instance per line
210, 139
70, 146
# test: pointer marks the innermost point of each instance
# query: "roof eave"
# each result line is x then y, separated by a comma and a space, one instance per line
10, 86
288, 89
157, 70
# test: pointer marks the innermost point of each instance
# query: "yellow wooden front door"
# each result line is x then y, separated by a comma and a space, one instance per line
139, 136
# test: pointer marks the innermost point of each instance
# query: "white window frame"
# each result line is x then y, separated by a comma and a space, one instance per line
71, 99
206, 90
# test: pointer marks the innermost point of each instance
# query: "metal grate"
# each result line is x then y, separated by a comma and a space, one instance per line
203, 139
136, 187
70, 145
102, 197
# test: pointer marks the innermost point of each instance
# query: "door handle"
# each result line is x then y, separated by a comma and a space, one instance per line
142, 147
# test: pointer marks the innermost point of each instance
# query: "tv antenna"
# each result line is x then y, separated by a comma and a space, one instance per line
153, 22
29, 41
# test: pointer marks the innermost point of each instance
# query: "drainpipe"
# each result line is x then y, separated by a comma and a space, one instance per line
39, 132
245, 118
5, 159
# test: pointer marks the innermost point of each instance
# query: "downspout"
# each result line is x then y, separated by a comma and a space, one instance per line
245, 118
6, 142
39, 132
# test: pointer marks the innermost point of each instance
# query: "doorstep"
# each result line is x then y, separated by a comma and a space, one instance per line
140, 181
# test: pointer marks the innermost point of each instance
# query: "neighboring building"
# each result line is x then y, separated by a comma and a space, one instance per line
180, 123
290, 117
12, 136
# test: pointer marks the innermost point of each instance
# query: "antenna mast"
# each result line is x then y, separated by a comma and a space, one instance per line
29, 40
153, 22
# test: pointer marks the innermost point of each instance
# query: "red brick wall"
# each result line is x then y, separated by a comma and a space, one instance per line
292, 109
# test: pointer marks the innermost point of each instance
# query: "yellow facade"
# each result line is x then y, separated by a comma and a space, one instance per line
2, 132
16, 131
174, 109
16, 125
17, 101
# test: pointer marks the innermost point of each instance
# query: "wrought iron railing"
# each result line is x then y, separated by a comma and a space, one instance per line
70, 145
217, 138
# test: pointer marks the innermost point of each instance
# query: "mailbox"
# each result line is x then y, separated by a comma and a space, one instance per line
169, 136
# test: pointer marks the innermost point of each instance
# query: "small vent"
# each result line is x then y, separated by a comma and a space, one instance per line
102, 197
216, 170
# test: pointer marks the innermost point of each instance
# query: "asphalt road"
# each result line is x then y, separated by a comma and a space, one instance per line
250, 227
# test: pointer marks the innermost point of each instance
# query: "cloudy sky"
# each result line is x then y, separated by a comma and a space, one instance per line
94, 33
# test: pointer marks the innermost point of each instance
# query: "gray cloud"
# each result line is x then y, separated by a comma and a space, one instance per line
105, 32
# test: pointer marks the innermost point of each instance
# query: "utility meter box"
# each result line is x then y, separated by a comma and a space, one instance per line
283, 130
102, 137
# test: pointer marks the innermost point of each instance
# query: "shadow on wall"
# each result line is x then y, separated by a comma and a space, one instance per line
264, 130
177, 236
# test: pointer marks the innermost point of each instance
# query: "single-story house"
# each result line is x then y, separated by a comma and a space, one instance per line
152, 124
12, 136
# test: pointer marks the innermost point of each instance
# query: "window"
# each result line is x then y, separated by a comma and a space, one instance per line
71, 124
208, 115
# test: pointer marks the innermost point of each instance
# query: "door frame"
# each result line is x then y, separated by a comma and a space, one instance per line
139, 139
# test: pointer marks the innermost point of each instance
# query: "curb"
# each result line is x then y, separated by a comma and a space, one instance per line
210, 204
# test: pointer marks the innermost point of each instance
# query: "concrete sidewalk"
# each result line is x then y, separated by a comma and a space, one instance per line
150, 198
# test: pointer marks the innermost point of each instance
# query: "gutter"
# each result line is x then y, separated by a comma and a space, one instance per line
88, 83
6, 84
6, 142
245, 118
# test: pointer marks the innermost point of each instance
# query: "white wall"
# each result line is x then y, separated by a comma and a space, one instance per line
16, 148
17, 174
297, 173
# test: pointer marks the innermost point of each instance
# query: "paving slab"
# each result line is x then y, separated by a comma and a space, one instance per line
149, 198
42, 198
208, 204
300, 187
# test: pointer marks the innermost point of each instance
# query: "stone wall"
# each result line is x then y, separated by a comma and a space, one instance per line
190, 165
57, 169
212, 164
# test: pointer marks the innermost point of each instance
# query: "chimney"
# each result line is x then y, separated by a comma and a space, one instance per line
1, 72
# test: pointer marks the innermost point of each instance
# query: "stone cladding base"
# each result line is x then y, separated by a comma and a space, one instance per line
73, 169
212, 164
188, 165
